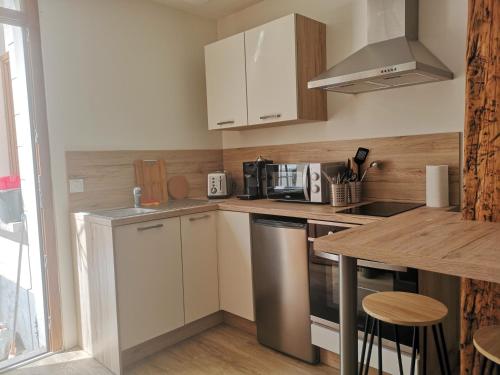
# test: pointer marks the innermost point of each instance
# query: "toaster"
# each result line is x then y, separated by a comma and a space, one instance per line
219, 184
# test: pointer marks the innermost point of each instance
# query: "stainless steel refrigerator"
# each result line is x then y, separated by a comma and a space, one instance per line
281, 286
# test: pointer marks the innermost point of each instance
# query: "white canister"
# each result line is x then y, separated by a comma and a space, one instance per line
436, 186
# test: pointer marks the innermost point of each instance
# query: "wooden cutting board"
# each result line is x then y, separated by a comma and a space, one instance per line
178, 187
151, 176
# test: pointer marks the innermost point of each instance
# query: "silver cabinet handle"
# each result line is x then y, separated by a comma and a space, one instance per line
142, 229
225, 123
362, 262
267, 117
199, 217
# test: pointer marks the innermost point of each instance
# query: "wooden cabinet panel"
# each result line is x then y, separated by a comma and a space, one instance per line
235, 263
226, 83
149, 280
272, 71
199, 259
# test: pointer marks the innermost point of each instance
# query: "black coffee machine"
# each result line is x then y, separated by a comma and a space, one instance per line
255, 179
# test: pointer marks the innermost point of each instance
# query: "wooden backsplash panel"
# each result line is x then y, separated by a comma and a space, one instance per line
404, 159
109, 175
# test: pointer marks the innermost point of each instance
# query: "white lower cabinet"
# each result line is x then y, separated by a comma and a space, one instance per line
235, 263
199, 260
148, 280
140, 281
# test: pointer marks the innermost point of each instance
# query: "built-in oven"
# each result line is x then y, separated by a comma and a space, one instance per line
372, 277
301, 182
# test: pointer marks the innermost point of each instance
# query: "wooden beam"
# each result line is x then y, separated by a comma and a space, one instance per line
481, 200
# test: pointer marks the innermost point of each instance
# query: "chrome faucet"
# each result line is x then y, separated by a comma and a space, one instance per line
137, 196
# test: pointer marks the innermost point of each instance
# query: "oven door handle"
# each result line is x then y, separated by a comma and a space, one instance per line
305, 182
327, 256
362, 262
381, 266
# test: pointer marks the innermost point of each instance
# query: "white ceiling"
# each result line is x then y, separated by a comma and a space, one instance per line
212, 9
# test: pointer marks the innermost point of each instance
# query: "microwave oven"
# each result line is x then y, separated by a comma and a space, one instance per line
301, 182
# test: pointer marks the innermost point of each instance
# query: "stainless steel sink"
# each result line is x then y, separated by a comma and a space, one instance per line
126, 212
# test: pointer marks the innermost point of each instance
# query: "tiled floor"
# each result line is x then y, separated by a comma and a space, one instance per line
220, 350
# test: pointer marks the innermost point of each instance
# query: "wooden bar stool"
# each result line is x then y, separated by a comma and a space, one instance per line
487, 343
407, 310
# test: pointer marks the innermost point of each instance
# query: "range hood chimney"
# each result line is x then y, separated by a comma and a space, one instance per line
393, 57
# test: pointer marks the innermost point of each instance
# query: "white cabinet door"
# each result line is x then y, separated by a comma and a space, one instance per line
226, 83
199, 259
235, 263
149, 280
271, 72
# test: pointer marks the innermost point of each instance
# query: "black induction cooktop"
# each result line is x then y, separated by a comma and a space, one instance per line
382, 209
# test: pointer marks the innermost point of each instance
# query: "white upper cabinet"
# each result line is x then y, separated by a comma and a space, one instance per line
272, 72
199, 261
260, 77
226, 83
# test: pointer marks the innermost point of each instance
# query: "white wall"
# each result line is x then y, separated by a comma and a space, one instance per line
119, 74
431, 108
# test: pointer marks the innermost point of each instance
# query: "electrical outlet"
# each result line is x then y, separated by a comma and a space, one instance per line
76, 185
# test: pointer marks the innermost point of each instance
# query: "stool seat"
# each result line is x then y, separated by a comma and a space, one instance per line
405, 309
487, 342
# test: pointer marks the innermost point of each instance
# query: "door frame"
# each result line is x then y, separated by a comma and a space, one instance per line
9, 114
28, 19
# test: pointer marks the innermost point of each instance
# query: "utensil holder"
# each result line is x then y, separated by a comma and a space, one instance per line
354, 192
339, 195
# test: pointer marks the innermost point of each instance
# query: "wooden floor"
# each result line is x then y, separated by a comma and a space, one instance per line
220, 350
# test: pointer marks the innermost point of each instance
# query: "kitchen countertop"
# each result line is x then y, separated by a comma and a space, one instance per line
322, 212
430, 239
312, 211
172, 209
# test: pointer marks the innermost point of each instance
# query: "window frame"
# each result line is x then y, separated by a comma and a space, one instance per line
28, 19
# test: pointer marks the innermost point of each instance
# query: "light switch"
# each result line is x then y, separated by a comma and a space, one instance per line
76, 185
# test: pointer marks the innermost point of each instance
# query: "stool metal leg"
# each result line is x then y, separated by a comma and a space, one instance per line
365, 338
369, 355
492, 367
474, 352
398, 348
414, 350
445, 350
483, 366
424, 354
379, 333
438, 349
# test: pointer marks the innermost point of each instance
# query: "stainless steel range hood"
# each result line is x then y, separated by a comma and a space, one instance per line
393, 58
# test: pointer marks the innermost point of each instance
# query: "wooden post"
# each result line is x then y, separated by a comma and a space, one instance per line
480, 300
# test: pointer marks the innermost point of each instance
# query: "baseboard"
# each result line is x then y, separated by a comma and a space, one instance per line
240, 323
333, 360
141, 351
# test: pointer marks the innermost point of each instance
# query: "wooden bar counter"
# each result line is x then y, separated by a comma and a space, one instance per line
430, 239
